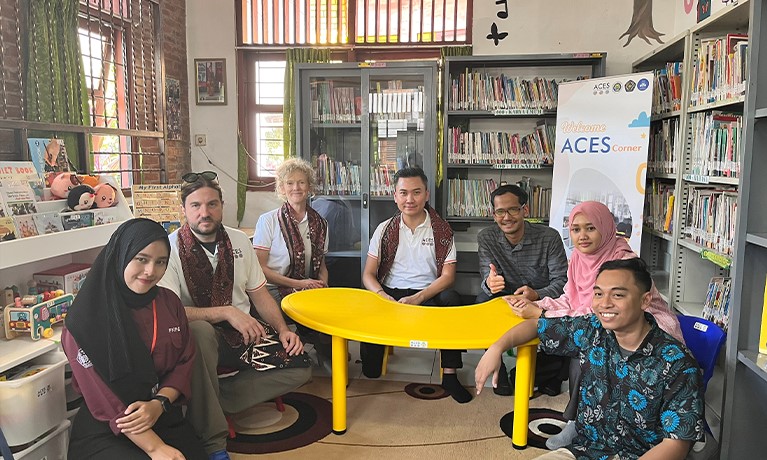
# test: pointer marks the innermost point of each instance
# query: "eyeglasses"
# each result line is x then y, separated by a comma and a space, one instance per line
513, 211
193, 176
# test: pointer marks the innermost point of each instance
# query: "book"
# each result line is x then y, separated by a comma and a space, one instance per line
717, 305
103, 216
25, 225
19, 197
763, 331
48, 222
7, 229
77, 220
48, 155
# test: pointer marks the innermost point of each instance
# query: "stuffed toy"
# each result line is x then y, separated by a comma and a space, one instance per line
106, 196
81, 198
62, 183
88, 179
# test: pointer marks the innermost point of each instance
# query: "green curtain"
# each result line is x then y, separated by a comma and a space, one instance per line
295, 56
444, 52
54, 83
242, 177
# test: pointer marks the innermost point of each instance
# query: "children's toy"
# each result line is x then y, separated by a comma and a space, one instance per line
81, 198
106, 196
62, 184
89, 179
36, 319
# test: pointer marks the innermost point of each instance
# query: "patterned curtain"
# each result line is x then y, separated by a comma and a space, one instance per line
444, 52
295, 56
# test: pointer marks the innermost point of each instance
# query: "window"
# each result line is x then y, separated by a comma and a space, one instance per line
117, 43
264, 86
333, 22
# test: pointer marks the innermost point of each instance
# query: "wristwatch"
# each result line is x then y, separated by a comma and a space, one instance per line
166, 404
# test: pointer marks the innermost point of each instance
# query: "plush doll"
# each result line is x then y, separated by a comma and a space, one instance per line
106, 196
81, 198
88, 179
62, 183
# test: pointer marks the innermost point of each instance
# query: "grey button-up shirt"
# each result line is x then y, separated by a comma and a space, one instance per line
538, 261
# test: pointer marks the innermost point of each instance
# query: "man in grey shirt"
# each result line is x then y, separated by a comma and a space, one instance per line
519, 258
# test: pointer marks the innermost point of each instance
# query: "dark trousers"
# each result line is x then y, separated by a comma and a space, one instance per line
372, 354
483, 297
93, 439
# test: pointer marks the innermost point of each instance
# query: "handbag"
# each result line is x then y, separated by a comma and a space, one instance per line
265, 355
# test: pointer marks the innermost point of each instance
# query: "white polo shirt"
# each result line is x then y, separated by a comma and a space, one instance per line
248, 275
268, 236
415, 264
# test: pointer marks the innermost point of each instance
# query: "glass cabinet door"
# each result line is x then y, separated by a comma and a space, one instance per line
400, 133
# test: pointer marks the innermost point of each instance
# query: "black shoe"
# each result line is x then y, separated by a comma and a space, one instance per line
551, 387
503, 388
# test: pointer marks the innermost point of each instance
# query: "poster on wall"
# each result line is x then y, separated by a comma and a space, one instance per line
173, 108
601, 149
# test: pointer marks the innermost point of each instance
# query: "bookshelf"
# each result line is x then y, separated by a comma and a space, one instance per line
686, 255
746, 368
499, 126
357, 124
694, 157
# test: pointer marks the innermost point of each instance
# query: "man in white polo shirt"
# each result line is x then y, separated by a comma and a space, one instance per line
412, 259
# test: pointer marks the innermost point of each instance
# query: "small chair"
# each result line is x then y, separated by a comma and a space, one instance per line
705, 340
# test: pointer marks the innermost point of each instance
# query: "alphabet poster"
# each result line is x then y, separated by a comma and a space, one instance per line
603, 132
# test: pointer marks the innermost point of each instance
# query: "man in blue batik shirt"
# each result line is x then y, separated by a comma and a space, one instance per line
641, 394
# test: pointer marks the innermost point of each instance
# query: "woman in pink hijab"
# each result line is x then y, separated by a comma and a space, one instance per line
593, 232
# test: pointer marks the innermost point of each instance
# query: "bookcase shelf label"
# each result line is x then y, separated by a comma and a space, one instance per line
697, 178
715, 258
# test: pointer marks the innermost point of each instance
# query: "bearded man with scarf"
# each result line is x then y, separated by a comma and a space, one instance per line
215, 272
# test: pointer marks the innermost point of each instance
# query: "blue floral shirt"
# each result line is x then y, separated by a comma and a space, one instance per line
627, 405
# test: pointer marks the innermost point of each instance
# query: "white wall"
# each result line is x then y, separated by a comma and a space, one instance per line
210, 33
565, 26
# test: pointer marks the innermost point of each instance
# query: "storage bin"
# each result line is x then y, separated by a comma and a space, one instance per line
52, 446
33, 405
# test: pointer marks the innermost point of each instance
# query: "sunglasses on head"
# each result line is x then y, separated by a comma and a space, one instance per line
193, 176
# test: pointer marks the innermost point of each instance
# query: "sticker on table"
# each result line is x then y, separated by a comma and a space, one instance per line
419, 344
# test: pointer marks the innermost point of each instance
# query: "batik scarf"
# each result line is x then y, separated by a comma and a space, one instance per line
443, 241
318, 228
206, 287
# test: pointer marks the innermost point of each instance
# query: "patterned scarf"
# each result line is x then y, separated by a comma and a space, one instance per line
206, 287
443, 239
294, 241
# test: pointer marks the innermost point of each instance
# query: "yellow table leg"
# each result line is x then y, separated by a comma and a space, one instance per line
340, 372
533, 358
525, 372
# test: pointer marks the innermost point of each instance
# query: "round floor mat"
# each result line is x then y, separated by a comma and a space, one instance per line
426, 391
543, 424
307, 419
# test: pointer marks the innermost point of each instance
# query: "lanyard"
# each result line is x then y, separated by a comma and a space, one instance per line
154, 329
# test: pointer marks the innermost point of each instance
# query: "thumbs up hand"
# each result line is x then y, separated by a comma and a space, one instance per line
494, 281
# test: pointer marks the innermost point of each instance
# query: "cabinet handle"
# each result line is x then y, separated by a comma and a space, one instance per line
364, 201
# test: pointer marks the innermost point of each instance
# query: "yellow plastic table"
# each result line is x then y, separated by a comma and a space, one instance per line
356, 314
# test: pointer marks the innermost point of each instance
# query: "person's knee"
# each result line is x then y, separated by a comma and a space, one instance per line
448, 297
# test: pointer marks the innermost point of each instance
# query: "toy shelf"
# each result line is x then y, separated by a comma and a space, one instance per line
22, 349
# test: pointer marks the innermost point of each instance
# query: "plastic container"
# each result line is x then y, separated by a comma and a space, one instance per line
52, 446
31, 406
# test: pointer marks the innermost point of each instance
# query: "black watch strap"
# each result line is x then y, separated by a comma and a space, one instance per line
164, 401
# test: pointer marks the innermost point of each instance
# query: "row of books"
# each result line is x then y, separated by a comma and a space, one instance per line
710, 218
397, 104
470, 197
716, 308
659, 206
335, 104
493, 147
664, 146
667, 88
23, 226
719, 73
716, 143
538, 198
382, 180
483, 91
337, 177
